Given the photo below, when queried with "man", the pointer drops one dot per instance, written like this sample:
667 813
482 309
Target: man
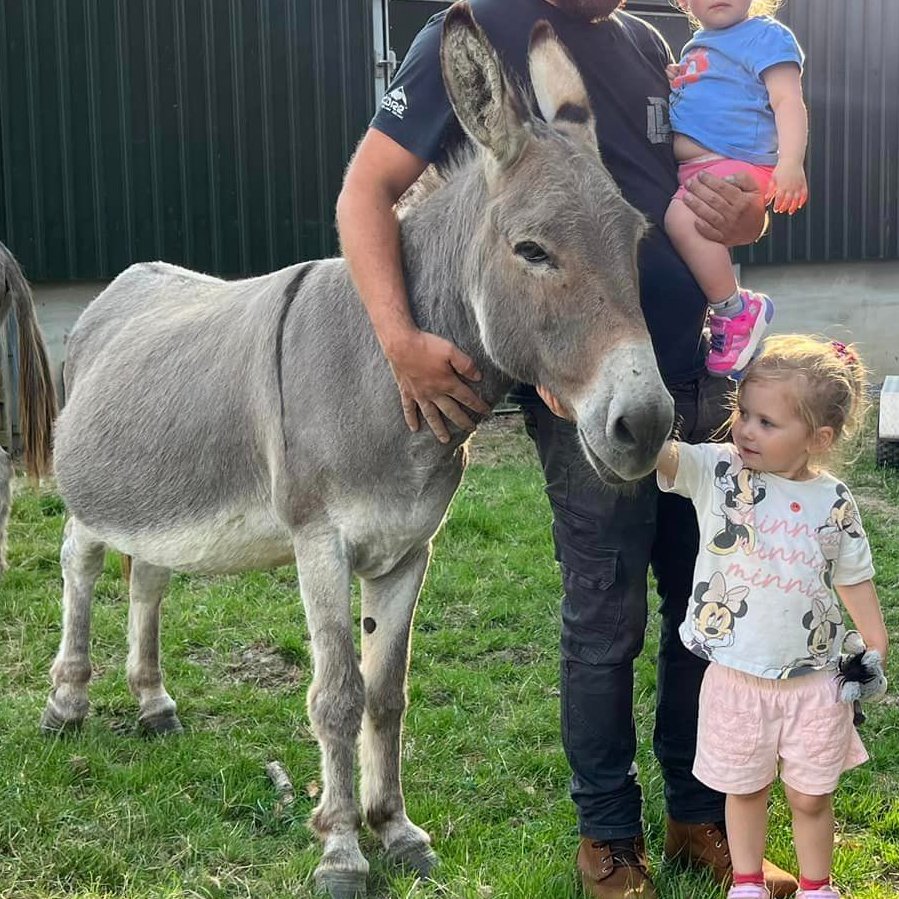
605 541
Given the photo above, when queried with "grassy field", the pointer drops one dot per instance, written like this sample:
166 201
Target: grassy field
106 813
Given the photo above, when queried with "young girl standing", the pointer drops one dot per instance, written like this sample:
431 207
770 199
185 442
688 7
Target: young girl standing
780 543
736 106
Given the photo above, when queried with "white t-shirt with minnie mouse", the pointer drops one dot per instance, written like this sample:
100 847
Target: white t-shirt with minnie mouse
771 551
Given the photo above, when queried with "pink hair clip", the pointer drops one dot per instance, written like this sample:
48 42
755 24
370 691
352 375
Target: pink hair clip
844 352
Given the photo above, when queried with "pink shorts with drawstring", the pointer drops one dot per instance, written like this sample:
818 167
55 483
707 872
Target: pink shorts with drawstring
721 167
751 727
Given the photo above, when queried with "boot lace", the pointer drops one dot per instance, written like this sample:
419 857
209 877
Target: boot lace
623 853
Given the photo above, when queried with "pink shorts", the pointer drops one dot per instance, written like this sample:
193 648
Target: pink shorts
749 726
721 167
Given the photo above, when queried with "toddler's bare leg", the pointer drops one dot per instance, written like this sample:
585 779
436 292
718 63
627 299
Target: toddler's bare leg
812 832
747 827
709 261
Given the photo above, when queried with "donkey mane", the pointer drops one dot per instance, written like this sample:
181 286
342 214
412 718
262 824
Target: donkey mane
437 175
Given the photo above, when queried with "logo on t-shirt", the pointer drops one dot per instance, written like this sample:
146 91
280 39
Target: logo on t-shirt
658 128
691 67
395 101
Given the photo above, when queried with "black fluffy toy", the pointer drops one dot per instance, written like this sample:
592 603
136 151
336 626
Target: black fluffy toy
860 673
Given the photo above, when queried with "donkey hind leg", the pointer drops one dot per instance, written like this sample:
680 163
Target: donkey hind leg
157 708
388 604
5 503
335 702
81 559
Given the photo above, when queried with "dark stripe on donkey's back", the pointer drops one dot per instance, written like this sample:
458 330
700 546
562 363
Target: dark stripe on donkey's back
290 293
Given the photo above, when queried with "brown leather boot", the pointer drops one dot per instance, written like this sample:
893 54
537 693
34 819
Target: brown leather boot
705 846
616 869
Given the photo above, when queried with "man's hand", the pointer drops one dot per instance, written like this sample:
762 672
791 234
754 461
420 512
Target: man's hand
427 370
788 188
729 211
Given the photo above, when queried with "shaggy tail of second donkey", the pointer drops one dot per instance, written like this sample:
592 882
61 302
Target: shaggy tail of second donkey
37 397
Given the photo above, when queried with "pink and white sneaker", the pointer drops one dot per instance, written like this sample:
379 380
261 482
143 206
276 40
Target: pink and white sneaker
827 892
748 891
736 340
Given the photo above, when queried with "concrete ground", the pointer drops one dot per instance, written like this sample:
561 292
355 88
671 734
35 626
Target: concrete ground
853 301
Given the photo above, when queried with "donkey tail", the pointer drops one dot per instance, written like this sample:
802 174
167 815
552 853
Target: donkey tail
37 396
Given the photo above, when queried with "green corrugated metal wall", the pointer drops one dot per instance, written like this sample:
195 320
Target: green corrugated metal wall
211 133
214 132
852 92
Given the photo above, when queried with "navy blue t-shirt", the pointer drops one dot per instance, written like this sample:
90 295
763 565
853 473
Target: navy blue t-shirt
622 61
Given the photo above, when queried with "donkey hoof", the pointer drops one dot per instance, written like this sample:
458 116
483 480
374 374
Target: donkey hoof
162 724
341 884
414 855
53 723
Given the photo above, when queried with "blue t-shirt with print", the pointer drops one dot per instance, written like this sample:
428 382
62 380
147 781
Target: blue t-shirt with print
719 98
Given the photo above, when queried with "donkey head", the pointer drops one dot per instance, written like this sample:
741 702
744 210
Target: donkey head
555 286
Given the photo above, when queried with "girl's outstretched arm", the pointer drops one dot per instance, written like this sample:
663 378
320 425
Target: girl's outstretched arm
863 606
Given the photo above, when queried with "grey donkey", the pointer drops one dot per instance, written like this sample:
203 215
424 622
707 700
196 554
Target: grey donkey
37 399
215 427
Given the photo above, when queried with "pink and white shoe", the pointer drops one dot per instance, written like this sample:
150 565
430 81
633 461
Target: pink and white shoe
748 891
827 892
736 340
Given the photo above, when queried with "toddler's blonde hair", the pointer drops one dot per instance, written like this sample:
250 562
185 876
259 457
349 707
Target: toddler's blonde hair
758 8
827 380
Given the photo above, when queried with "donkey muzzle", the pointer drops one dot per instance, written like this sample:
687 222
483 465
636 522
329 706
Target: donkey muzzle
627 415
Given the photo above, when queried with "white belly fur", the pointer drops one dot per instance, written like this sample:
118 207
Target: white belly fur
227 542
376 537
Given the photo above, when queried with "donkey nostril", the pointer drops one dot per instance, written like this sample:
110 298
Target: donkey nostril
621 429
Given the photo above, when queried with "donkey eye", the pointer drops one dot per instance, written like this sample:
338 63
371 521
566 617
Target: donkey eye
531 252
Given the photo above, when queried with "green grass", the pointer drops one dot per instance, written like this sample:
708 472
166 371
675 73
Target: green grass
105 813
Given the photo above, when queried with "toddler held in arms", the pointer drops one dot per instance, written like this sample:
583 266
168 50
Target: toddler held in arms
736 106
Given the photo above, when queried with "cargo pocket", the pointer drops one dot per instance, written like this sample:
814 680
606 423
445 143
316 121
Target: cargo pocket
592 609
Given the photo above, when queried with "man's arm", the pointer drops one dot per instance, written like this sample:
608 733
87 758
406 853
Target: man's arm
426 367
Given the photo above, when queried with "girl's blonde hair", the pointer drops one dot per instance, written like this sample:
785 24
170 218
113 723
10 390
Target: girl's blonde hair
758 8
827 379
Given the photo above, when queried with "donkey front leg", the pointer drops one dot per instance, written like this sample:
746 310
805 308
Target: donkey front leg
335 701
388 605
5 503
157 708
81 559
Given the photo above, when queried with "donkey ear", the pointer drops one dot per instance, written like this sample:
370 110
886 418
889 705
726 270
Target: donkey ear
558 86
489 109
